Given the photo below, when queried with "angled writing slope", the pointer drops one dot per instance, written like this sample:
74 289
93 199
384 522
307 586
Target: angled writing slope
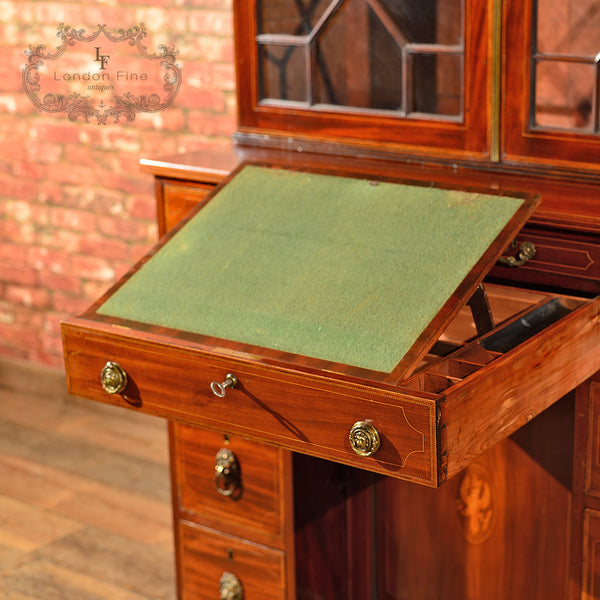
346 271
328 314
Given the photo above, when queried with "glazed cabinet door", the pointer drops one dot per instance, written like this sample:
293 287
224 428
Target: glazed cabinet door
395 75
550 112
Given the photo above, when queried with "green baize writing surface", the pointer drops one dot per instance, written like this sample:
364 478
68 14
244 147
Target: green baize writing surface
341 269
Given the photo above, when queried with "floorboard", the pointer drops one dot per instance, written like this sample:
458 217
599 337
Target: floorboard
84 500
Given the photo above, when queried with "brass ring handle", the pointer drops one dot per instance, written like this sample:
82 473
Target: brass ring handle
228 479
526 251
113 378
364 438
230 587
220 389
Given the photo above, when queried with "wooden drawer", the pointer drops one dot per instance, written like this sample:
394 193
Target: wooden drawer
299 411
365 371
206 555
254 509
177 198
431 426
570 262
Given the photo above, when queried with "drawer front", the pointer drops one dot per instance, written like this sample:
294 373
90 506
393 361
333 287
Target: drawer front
571 263
178 198
206 556
292 410
253 508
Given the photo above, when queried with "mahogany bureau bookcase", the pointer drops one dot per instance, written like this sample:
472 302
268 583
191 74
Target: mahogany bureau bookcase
372 324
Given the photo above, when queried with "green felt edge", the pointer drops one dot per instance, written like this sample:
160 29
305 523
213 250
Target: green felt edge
341 269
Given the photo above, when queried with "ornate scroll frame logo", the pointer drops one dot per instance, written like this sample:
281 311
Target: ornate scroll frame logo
79 107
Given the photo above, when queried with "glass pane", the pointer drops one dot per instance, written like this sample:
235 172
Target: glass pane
568 27
427 21
359 54
564 95
359 64
283 70
437 85
293 18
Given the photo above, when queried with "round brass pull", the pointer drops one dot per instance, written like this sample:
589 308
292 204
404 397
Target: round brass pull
227 473
113 378
230 587
364 438
220 389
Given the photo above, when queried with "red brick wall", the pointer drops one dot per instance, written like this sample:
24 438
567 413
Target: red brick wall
75 210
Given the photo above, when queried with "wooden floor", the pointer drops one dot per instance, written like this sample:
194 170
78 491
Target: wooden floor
84 500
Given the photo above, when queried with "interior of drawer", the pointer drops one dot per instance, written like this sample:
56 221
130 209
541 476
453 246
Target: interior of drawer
516 315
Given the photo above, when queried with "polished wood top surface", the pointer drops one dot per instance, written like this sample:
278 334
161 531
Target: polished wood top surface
569 200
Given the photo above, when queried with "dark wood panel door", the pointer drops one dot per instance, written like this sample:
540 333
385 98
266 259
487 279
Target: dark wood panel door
498 530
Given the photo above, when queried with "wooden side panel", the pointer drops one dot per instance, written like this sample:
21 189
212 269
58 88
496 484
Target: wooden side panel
498 530
516 387
592 479
591 555
586 572
206 555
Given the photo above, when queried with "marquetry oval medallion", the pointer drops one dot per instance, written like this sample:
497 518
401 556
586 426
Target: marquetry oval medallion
476 504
